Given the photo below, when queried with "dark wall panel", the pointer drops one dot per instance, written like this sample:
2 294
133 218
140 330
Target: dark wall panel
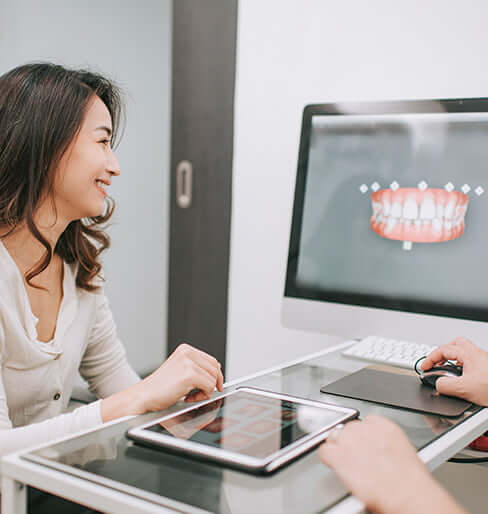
204 44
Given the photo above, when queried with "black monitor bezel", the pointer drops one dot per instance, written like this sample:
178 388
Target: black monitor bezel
292 290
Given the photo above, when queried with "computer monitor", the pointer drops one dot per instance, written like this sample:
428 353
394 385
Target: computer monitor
389 231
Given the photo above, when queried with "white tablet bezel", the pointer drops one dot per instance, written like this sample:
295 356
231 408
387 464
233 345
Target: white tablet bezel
267 464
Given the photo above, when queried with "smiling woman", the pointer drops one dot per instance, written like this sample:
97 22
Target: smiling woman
47 120
57 128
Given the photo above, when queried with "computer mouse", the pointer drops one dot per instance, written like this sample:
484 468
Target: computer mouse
430 376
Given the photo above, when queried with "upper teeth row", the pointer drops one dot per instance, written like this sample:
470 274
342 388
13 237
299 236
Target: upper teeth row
101 184
427 210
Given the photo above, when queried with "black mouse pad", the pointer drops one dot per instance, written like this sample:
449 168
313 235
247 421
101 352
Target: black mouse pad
397 390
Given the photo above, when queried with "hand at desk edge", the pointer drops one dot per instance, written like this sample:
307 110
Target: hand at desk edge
379 465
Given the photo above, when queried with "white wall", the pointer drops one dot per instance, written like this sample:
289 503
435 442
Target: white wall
130 42
294 52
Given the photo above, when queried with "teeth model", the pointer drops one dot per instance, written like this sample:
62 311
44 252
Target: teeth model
409 214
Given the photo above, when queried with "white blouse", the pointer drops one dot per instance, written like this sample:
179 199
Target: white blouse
37 378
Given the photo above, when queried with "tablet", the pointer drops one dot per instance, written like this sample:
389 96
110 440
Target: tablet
248 429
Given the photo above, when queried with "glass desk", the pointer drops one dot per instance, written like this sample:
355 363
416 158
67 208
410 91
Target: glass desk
105 471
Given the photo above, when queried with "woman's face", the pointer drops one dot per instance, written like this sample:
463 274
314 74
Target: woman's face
87 167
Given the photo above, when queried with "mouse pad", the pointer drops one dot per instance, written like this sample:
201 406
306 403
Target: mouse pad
397 390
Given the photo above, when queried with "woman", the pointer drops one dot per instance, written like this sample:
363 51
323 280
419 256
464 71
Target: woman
376 460
57 129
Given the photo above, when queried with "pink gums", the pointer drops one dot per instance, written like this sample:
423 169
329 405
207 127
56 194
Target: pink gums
409 214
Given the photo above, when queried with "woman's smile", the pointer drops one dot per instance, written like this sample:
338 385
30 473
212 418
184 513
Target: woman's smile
101 186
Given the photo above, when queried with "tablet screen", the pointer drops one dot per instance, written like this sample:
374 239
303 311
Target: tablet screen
247 423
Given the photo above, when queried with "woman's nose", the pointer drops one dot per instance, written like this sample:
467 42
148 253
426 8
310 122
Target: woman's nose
113 166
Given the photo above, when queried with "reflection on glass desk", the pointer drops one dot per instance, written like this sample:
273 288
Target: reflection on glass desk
107 457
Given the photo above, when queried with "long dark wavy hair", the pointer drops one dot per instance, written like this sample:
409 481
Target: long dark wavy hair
42 107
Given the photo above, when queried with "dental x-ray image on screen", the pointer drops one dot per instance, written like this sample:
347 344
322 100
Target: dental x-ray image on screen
391 208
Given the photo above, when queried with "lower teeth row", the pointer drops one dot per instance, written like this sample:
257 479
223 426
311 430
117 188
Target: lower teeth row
437 224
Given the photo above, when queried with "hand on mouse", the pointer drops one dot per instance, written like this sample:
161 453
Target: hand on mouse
472 385
378 464
185 370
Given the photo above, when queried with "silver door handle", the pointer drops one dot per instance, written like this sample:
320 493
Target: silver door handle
184 184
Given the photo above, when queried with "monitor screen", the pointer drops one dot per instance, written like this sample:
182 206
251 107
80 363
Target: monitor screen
390 207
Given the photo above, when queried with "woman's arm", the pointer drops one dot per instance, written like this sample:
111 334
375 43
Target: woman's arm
187 370
13 439
104 364
106 367
110 376
83 418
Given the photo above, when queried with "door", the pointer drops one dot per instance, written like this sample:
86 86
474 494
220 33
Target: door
203 76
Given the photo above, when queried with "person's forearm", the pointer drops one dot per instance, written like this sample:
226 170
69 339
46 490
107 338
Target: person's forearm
128 402
434 499
427 495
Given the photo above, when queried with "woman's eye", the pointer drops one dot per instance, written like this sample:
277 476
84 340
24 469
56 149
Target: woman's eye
106 142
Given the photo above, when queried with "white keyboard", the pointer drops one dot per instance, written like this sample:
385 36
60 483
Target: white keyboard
393 352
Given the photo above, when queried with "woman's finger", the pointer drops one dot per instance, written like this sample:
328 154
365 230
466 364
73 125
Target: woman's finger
208 365
192 351
206 361
212 366
208 357
204 380
220 381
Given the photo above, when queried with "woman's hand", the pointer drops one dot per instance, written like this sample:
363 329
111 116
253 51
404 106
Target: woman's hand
472 385
187 370
376 461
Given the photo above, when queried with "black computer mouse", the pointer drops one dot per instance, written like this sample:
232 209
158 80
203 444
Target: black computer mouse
430 376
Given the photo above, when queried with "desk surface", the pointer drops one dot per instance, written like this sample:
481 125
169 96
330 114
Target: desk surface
105 459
